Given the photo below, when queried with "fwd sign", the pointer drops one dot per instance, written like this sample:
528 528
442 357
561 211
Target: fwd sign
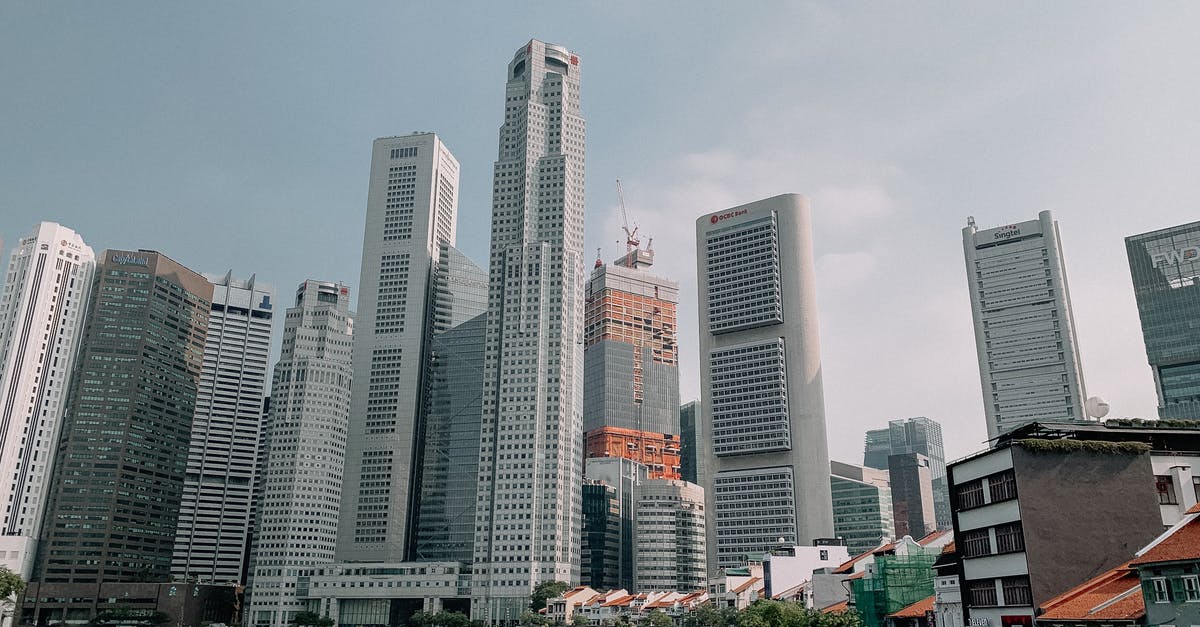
1175 257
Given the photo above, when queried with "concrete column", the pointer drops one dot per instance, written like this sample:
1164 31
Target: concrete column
1185 494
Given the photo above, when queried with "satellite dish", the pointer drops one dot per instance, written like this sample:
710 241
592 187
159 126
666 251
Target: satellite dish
1096 407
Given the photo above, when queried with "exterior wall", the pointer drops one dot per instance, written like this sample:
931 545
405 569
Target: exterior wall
601 537
306 439
862 506
669 530
1165 266
912 495
213 532
659 452
134 390
412 207
624 475
42 311
947 605
1029 364
785 569
186 604
531 456
1181 474
1176 609
924 436
688 454
385 593
767 473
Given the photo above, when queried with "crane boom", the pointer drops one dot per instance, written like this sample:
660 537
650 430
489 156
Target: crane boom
631 240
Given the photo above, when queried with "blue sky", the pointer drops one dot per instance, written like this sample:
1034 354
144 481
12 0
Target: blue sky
233 135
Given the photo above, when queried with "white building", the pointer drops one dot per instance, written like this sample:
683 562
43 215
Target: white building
214 516
768 463
530 465
788 571
412 206
669 534
46 292
1029 364
301 488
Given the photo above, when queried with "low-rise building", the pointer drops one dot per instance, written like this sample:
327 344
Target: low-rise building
788 571
178 604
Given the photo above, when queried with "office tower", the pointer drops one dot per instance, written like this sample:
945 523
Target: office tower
669 524
913 435
877 447
912 495
452 409
214 517
623 475
412 205
531 453
297 528
631 365
602 555
122 456
42 312
1165 266
1024 330
768 461
862 506
688 467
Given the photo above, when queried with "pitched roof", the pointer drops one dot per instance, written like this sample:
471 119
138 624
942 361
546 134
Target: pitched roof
840 606
848 566
1112 595
859 575
1181 542
932 537
746 585
916 610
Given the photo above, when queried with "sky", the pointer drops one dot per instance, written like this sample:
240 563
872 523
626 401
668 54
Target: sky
238 136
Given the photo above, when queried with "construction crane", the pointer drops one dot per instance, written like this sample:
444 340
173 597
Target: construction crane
631 240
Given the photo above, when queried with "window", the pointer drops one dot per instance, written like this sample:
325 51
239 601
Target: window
970 495
1166 490
1009 538
976 542
1003 486
1159 585
1016 591
1196 487
982 593
1191 589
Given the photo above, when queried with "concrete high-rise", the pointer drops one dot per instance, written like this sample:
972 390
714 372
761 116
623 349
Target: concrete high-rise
1029 364
213 532
1165 266
862 506
913 435
301 489
122 456
766 459
669 528
912 495
412 205
530 467
631 365
42 313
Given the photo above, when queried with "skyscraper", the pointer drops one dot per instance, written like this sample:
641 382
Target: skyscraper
631 365
913 435
302 483
862 506
122 455
688 454
1165 266
530 466
214 517
42 312
1024 330
912 495
412 205
669 523
767 459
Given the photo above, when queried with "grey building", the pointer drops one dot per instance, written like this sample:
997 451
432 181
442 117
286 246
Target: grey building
670 537
877 447
124 445
862 506
688 451
531 453
913 435
1029 366
912 495
765 461
623 475
448 455
1165 266
297 527
602 525
412 206
214 529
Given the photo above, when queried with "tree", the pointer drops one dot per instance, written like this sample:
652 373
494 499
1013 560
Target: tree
769 613
710 616
439 619
11 585
311 619
579 620
546 590
530 618
657 618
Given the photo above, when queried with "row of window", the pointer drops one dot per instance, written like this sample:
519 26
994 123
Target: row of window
1166 489
1001 486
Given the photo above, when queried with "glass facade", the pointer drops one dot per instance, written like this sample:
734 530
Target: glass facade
1165 266
862 512
688 453
601 537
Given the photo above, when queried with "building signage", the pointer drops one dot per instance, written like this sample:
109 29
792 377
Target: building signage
1007 232
129 259
1175 257
978 621
717 217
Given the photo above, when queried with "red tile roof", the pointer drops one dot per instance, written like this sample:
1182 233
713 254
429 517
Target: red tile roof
1183 543
859 575
1113 595
848 566
929 538
916 610
840 606
744 586
1194 510
949 548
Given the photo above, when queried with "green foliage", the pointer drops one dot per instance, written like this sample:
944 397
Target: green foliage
129 616
1162 423
10 583
546 590
579 620
529 618
709 616
311 619
769 613
440 619
1083 446
656 618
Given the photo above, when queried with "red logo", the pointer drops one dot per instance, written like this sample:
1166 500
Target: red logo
717 217
345 291
574 60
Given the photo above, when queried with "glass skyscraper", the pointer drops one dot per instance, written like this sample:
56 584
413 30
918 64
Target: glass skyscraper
1165 266
913 435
